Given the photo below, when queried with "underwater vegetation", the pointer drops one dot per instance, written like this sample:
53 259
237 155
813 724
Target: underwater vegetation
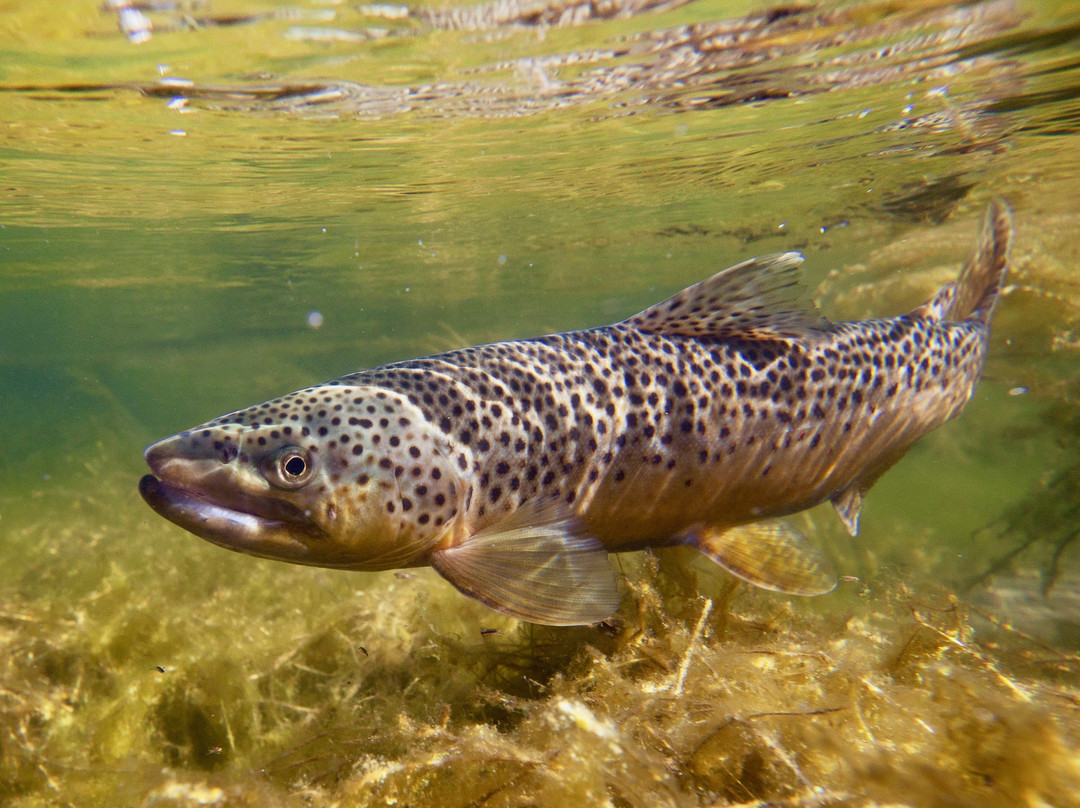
1035 580
287 687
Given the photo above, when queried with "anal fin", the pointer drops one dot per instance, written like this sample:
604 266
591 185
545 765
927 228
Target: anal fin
848 505
538 564
771 554
848 501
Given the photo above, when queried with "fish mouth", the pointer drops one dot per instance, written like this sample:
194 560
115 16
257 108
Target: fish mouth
252 525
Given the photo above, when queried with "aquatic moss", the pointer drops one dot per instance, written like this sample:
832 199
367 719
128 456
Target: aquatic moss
142 667
235 682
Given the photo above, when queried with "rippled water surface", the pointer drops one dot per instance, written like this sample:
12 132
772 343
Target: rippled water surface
178 214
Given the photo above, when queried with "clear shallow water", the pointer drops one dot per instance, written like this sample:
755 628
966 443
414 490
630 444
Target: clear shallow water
159 264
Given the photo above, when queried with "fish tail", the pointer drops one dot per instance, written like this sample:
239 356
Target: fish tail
974 294
983 275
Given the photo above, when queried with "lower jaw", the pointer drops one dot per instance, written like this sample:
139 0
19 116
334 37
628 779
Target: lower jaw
206 518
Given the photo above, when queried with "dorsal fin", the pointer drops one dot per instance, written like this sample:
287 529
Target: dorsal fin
757 299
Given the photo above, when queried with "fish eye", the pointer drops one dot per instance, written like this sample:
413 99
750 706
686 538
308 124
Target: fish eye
294 466
290 467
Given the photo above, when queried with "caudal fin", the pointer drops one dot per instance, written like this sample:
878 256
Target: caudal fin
975 293
980 281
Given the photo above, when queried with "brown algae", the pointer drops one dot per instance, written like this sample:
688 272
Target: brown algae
227 683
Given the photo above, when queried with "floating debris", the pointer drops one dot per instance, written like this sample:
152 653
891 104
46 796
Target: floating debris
308 34
386 11
135 25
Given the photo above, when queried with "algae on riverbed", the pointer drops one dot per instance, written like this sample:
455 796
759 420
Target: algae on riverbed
261 684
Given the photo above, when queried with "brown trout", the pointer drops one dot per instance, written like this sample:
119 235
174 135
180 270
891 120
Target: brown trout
514 468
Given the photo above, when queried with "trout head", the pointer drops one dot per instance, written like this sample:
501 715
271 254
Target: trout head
333 476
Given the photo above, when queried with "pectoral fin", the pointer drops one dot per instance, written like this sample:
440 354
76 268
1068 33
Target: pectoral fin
772 555
539 564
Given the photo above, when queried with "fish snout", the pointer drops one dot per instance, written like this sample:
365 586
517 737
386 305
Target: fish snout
174 459
157 455
196 465
205 449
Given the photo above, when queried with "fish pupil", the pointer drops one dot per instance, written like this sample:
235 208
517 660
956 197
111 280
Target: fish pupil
295 466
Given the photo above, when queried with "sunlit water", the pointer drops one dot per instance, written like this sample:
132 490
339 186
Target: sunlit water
167 251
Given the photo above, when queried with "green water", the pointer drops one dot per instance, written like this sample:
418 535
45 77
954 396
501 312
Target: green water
158 264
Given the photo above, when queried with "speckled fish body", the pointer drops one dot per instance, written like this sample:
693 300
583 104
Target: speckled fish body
514 468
